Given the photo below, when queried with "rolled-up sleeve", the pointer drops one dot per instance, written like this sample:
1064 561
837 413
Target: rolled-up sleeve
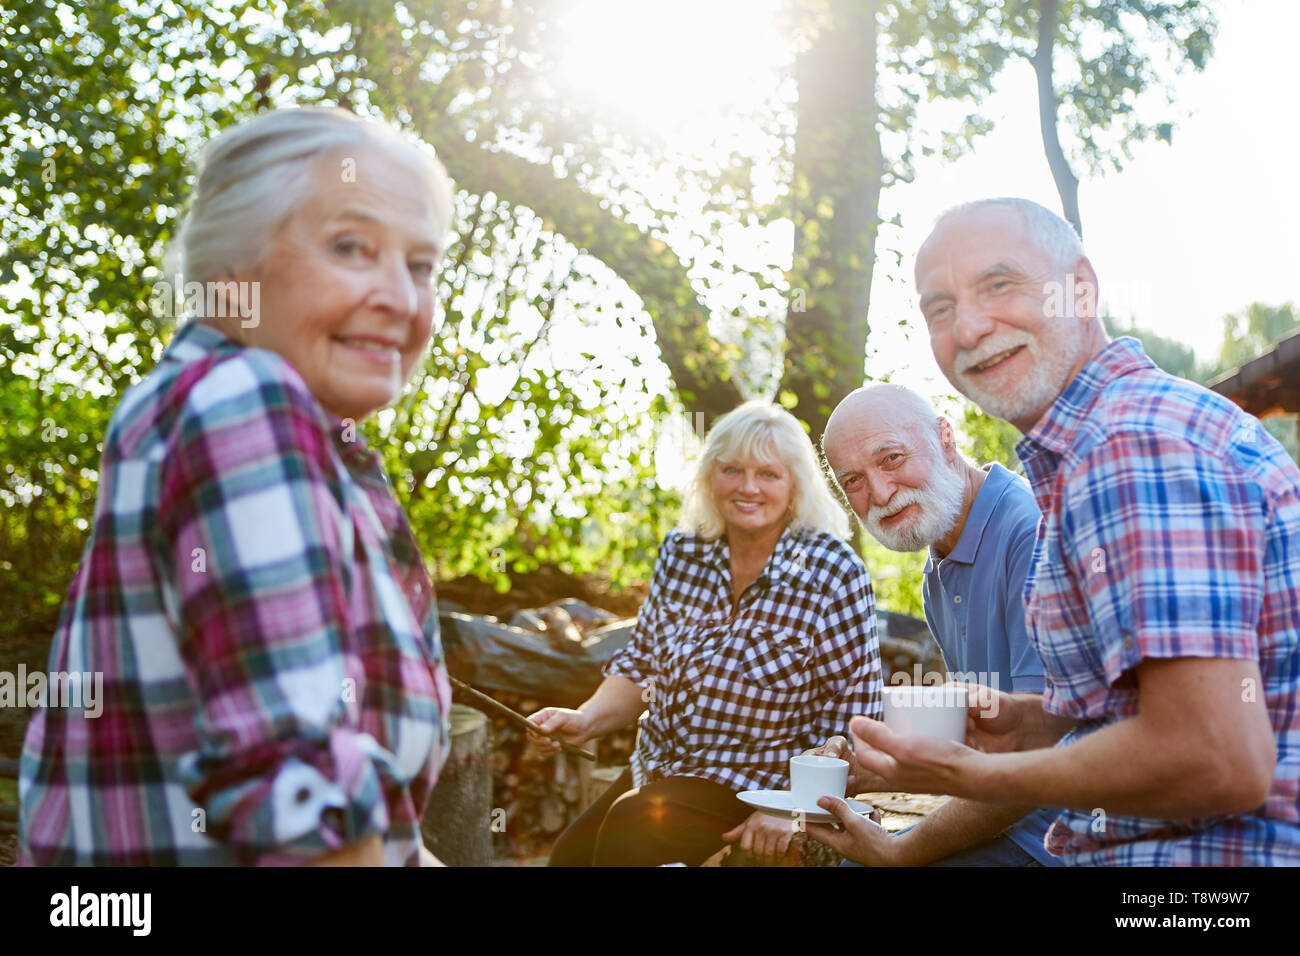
848 659
253 530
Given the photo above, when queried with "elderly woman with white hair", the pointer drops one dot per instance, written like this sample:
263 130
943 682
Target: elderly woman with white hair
273 683
756 643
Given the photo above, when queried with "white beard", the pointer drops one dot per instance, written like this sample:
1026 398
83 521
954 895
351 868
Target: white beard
940 503
1040 387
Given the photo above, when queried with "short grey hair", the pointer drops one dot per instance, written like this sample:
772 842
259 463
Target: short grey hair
763 431
252 176
1052 234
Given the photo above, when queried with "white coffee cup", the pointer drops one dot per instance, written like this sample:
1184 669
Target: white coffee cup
813 777
933 711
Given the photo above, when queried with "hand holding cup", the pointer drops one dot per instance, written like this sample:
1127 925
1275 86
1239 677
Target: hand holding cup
860 780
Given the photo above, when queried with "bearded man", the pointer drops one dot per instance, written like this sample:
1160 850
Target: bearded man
1164 594
896 461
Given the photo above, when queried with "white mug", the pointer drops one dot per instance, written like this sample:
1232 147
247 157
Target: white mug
812 777
934 711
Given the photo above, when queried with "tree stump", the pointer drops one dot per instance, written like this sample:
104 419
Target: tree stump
458 819
595 781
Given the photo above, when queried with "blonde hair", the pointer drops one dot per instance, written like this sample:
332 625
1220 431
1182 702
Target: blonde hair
762 431
252 176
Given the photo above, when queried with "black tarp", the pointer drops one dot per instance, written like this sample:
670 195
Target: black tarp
492 656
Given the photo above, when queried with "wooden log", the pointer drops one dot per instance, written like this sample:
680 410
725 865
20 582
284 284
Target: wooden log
458 819
598 780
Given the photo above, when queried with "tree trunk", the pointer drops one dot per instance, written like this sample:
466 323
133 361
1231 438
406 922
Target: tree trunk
1067 184
836 199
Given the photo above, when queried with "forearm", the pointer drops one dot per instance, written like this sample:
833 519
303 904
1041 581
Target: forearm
955 826
1128 767
1197 747
616 704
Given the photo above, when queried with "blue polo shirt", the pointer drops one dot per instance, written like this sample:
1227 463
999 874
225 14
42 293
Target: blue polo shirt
975 608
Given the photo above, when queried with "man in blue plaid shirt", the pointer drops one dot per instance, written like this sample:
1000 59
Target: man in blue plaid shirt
1164 594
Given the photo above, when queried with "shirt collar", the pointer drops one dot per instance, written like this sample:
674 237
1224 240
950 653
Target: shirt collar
195 340
1057 429
981 510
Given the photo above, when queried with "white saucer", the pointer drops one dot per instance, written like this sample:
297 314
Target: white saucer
779 803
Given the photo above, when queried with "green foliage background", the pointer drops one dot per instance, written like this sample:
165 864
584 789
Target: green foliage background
103 109
513 448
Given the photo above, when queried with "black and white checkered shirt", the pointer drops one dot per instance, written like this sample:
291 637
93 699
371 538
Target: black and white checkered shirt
732 697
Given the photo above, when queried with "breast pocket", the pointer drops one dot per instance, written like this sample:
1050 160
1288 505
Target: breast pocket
757 686
774 658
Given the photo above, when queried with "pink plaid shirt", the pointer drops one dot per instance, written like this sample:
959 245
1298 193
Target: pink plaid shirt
273 685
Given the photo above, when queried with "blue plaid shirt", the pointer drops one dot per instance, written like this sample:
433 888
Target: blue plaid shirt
1171 529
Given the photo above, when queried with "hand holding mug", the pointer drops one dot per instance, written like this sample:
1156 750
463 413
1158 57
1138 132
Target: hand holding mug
998 722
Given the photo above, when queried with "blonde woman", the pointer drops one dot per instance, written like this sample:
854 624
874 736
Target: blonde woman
757 642
274 690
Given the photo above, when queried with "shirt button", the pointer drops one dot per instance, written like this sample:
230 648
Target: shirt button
956 599
1128 642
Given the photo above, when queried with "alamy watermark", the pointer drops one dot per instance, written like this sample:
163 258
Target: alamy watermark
1063 299
916 677
983 694
82 689
129 910
210 300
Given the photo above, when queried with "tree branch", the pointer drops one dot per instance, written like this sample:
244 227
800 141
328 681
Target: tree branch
1067 184
648 266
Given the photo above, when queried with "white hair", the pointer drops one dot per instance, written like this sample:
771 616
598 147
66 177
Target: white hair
912 411
251 177
765 432
1050 233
